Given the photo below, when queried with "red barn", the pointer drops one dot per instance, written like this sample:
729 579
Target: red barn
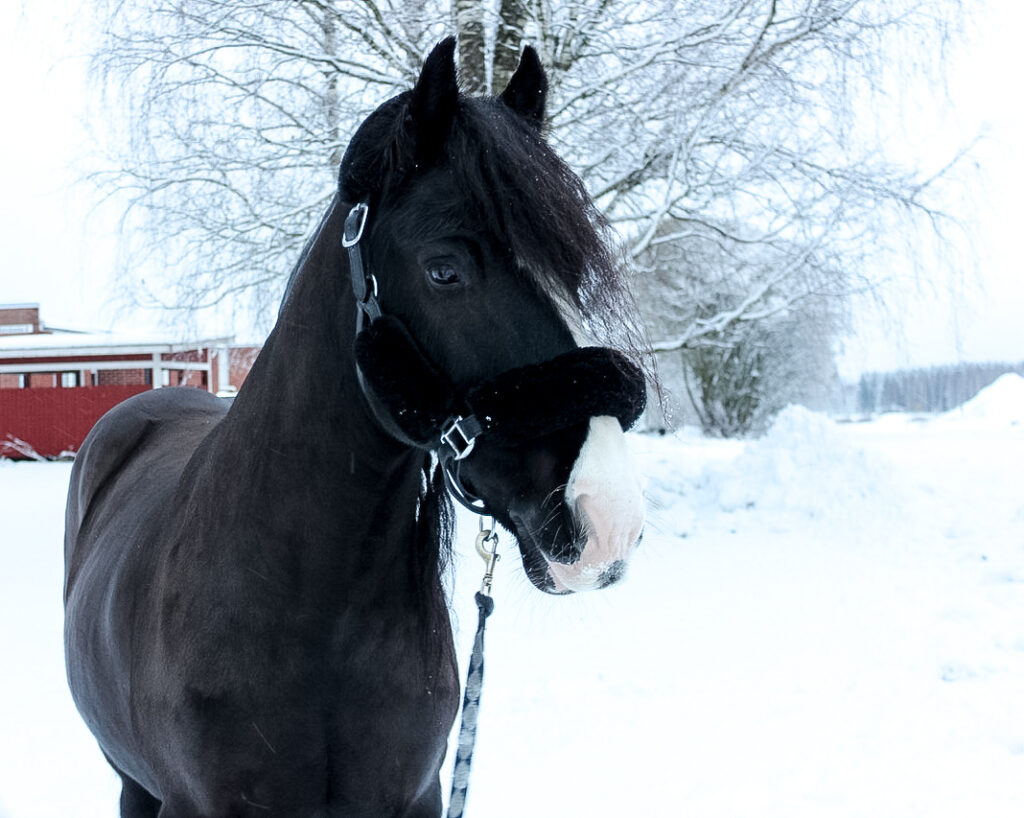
55 384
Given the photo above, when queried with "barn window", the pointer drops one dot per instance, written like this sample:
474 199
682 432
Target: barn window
68 379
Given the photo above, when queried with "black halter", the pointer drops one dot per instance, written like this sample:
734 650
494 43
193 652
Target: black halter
364 285
417 404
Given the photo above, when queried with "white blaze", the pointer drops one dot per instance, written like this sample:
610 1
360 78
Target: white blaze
604 491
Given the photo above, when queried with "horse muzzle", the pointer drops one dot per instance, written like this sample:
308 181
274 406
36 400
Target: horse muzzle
582 537
606 498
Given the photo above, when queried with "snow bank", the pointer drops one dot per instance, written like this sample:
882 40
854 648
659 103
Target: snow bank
1002 402
804 464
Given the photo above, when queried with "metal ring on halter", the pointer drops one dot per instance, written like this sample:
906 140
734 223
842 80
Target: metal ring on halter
450 472
486 535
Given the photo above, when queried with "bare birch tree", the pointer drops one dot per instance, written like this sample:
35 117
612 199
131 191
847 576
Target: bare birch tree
703 128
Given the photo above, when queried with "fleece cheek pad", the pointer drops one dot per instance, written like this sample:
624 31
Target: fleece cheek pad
417 397
514 407
532 401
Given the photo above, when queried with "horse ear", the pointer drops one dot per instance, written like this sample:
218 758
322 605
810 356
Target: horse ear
527 91
434 99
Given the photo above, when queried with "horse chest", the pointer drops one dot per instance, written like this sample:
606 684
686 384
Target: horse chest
399 669
355 720
394 711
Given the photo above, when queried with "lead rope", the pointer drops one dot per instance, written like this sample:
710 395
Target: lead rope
487 548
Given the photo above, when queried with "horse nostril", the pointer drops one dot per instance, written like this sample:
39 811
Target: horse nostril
612 574
563 539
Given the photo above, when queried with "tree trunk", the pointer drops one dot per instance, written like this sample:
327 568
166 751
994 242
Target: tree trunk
331 112
513 16
469 23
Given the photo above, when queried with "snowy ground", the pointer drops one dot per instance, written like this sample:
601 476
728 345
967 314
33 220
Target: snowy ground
828 621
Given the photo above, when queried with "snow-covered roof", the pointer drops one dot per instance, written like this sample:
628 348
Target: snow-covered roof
54 344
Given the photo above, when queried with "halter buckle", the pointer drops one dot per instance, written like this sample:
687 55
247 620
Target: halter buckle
355 223
458 435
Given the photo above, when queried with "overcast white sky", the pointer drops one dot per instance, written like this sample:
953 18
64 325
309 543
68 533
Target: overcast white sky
53 254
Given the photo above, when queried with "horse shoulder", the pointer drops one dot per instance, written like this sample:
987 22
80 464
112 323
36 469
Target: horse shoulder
131 432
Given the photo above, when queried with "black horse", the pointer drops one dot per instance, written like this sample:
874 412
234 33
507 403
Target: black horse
255 620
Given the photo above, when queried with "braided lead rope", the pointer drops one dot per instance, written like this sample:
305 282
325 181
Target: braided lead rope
470 711
474 677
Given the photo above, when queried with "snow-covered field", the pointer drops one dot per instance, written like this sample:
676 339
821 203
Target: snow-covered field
828 621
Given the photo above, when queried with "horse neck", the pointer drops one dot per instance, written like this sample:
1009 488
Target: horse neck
301 426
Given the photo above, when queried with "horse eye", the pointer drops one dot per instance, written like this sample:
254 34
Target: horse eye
442 273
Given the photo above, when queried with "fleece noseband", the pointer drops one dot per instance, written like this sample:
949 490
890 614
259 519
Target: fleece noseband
419 405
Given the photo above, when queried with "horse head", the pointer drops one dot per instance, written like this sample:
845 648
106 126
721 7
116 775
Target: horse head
477 260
